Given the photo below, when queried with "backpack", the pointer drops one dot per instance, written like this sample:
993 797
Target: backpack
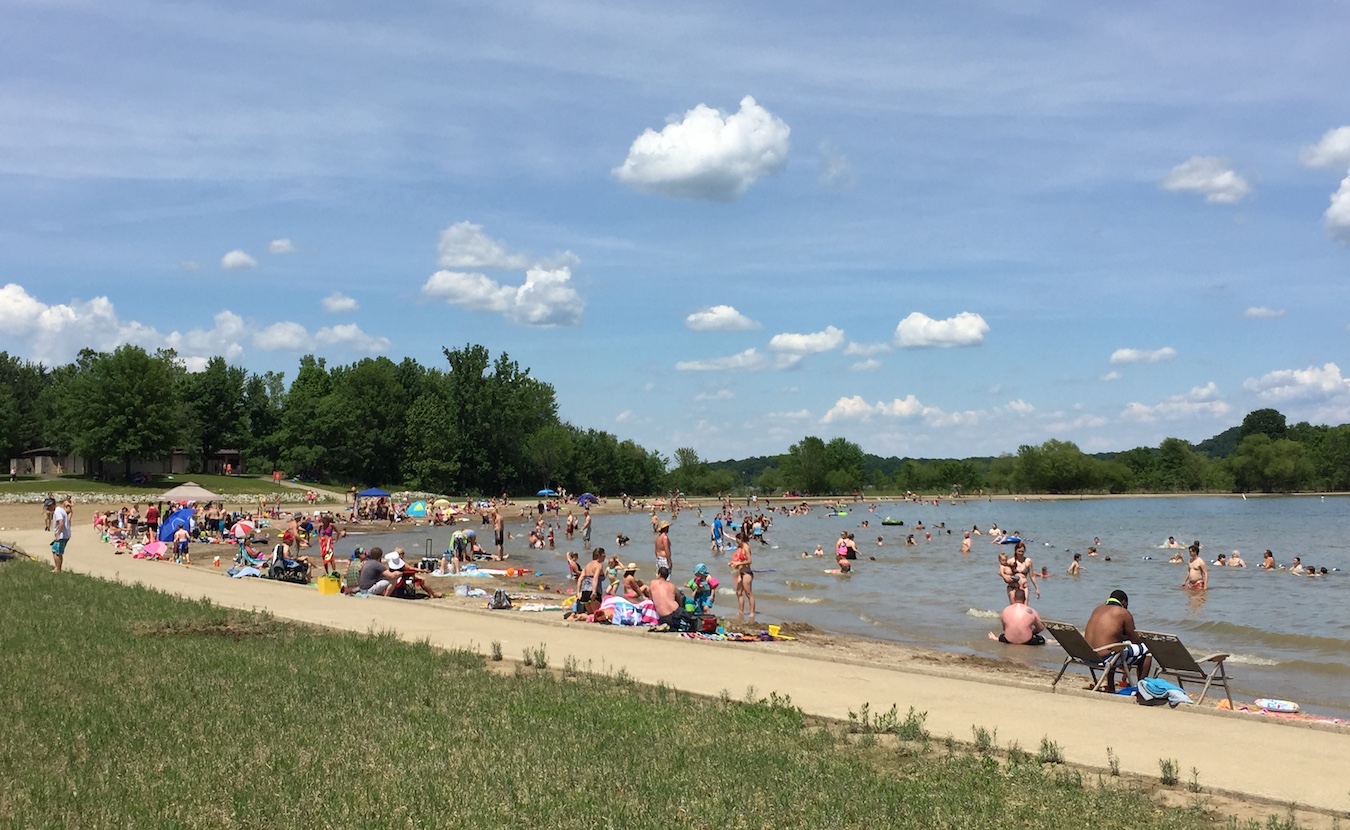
500 599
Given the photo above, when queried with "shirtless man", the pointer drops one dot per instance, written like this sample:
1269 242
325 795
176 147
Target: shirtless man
1112 622
668 608
1021 624
662 546
499 533
1076 566
586 529
591 582
965 543
1197 572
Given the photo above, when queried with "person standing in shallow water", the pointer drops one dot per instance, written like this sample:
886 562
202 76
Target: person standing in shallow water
662 546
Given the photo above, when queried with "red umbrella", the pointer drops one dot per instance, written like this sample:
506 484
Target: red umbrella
243 529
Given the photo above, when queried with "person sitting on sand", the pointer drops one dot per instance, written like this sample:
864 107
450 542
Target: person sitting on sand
669 609
633 589
1021 624
375 579
1111 623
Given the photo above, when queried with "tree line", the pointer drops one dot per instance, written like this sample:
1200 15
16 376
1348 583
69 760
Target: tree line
484 425
1261 455
475 425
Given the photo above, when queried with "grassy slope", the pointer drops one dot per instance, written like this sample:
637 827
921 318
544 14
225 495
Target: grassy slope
128 708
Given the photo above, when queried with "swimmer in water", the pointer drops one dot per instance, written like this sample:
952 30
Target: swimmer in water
1176 559
1092 551
1235 561
1076 566
965 543
820 550
1268 561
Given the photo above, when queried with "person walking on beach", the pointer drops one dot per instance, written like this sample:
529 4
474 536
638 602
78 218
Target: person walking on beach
48 509
1197 572
662 546
1110 623
60 528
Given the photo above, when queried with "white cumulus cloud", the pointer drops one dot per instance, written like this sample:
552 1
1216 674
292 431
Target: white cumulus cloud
281 246
708 154
338 302
719 318
1262 313
1333 150
1210 176
1200 401
1111 375
545 299
465 245
236 259
1124 356
918 330
289 336
871 364
1291 384
53 333
1337 217
814 343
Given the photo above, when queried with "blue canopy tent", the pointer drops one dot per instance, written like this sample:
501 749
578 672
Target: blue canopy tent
587 498
372 493
179 518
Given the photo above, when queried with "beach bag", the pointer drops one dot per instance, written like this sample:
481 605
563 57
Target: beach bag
499 601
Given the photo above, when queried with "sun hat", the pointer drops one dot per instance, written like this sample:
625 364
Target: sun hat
631 566
663 526
700 569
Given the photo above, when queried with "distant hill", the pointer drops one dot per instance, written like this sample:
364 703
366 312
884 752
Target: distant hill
1222 445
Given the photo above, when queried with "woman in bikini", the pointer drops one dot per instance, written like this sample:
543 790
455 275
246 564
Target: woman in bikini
743 575
1023 569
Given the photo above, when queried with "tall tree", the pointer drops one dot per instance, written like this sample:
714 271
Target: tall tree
806 467
215 411
1268 422
122 405
306 433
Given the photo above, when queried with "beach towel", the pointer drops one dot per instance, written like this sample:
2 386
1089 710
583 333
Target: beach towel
623 612
1155 690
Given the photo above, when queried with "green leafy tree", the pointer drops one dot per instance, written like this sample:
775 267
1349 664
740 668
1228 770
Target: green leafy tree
548 450
366 408
430 459
1268 422
1270 466
806 467
846 463
689 472
1180 467
264 402
22 416
307 432
121 405
215 412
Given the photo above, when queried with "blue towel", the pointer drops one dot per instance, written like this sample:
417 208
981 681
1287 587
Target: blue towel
1151 688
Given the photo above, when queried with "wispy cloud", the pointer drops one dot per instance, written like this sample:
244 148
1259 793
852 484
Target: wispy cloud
1209 176
719 318
1126 356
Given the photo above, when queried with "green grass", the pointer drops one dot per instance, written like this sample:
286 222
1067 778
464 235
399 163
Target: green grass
128 708
224 485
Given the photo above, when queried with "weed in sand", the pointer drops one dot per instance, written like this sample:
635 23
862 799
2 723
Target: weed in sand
495 651
1167 771
1049 752
986 740
1112 762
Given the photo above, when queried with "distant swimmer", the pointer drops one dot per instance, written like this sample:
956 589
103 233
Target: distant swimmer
1297 566
1268 561
1235 561
1197 573
1076 566
965 543
1172 542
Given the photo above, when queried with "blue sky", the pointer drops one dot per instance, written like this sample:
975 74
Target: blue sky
940 231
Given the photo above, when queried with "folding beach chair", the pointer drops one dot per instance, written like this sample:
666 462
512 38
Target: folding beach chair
1171 657
1078 651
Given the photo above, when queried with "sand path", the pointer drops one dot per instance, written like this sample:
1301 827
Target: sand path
1280 762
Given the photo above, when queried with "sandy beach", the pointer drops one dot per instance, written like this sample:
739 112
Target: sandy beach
827 676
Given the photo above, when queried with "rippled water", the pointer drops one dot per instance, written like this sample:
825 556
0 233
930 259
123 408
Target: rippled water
1289 636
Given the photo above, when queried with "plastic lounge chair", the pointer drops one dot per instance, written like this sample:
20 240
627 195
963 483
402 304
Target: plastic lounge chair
1171 657
1078 651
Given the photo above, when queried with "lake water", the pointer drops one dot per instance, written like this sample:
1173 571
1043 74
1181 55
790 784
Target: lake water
1289 636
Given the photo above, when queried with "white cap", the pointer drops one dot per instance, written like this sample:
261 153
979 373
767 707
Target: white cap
394 561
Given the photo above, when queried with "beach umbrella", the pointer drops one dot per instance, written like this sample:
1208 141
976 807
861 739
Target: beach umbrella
441 502
547 492
181 518
243 529
418 509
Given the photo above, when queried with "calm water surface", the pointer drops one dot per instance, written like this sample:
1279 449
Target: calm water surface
1289 636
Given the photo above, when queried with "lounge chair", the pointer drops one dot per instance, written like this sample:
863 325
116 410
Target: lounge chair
1078 651
1173 658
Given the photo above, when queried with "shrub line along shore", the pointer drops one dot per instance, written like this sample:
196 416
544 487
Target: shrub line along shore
1265 760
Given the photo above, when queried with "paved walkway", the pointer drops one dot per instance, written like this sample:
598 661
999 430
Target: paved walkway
1278 761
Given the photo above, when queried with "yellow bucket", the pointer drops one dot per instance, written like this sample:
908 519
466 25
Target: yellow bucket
330 585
